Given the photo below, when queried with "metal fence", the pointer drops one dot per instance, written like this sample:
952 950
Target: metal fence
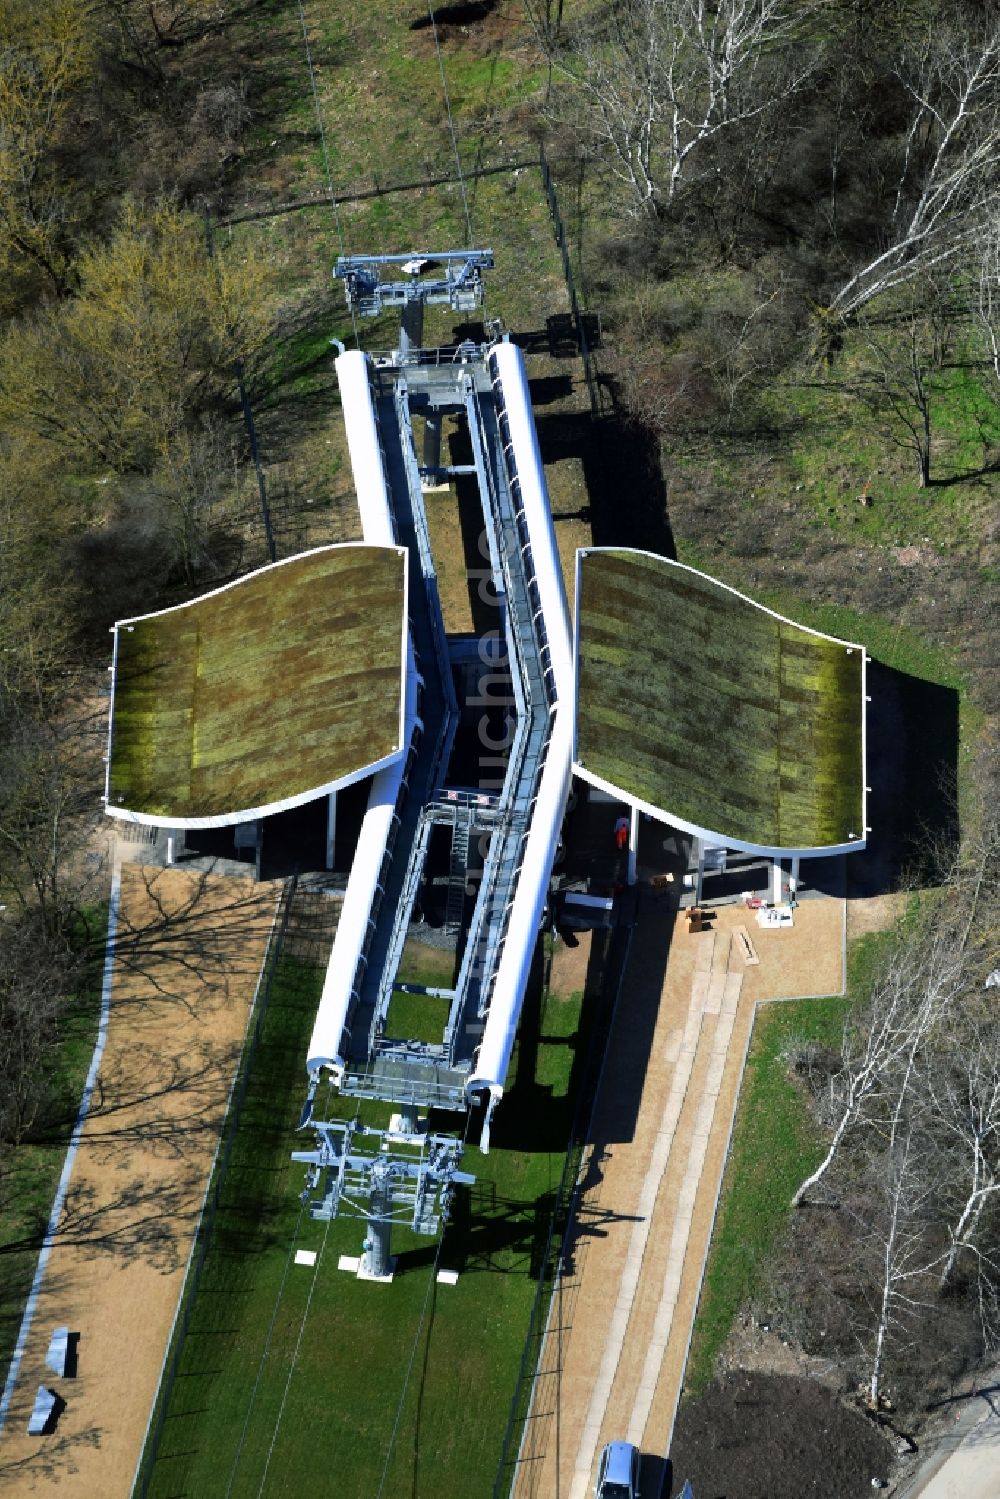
203 1237
554 1256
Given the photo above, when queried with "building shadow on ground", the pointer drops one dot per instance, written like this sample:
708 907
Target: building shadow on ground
912 772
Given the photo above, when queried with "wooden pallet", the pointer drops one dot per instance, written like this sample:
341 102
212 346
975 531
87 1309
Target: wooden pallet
744 946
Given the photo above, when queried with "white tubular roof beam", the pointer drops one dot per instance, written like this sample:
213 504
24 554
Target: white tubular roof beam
533 881
326 1048
365 448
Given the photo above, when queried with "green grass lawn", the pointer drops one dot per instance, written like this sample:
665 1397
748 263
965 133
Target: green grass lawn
776 1143
338 1389
421 1017
838 448
31 1170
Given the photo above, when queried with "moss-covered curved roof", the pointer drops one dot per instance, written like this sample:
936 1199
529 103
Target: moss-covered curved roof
713 710
286 683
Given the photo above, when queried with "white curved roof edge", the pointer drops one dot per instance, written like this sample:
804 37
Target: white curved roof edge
852 645
659 813
269 567
493 1060
712 836
326 1042
494 1052
251 814
285 803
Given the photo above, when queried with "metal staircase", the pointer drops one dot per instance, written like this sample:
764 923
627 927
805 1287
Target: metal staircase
458 872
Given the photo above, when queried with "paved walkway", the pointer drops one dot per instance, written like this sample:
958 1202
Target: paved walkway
186 962
613 1360
964 1462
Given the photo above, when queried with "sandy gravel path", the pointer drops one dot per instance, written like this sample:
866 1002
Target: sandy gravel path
186 964
613 1360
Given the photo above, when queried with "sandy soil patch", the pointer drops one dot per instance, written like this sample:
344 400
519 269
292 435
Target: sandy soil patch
187 959
568 974
874 913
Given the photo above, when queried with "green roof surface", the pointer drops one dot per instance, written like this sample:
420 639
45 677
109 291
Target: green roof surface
714 710
284 683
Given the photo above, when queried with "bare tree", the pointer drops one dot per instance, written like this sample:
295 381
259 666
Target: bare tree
47 53
906 1255
963 1085
751 346
897 387
883 1044
149 29
38 974
947 180
986 300
49 772
964 1091
652 82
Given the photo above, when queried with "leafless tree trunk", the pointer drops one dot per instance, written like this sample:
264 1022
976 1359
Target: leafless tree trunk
651 82
883 1044
905 1257
967 1108
946 186
963 1084
986 302
898 388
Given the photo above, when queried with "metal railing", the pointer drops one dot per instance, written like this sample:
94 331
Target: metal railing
531 680
557 1241
449 722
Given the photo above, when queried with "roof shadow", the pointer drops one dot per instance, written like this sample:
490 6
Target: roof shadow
623 475
913 736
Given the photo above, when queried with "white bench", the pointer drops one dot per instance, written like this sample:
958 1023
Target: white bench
45 1404
58 1353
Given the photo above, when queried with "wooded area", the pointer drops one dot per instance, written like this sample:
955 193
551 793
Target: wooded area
121 475
786 215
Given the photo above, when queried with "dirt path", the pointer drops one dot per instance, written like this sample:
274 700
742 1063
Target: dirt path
186 964
622 1316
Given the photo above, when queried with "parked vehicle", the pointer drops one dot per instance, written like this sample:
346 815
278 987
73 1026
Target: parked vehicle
618 1472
